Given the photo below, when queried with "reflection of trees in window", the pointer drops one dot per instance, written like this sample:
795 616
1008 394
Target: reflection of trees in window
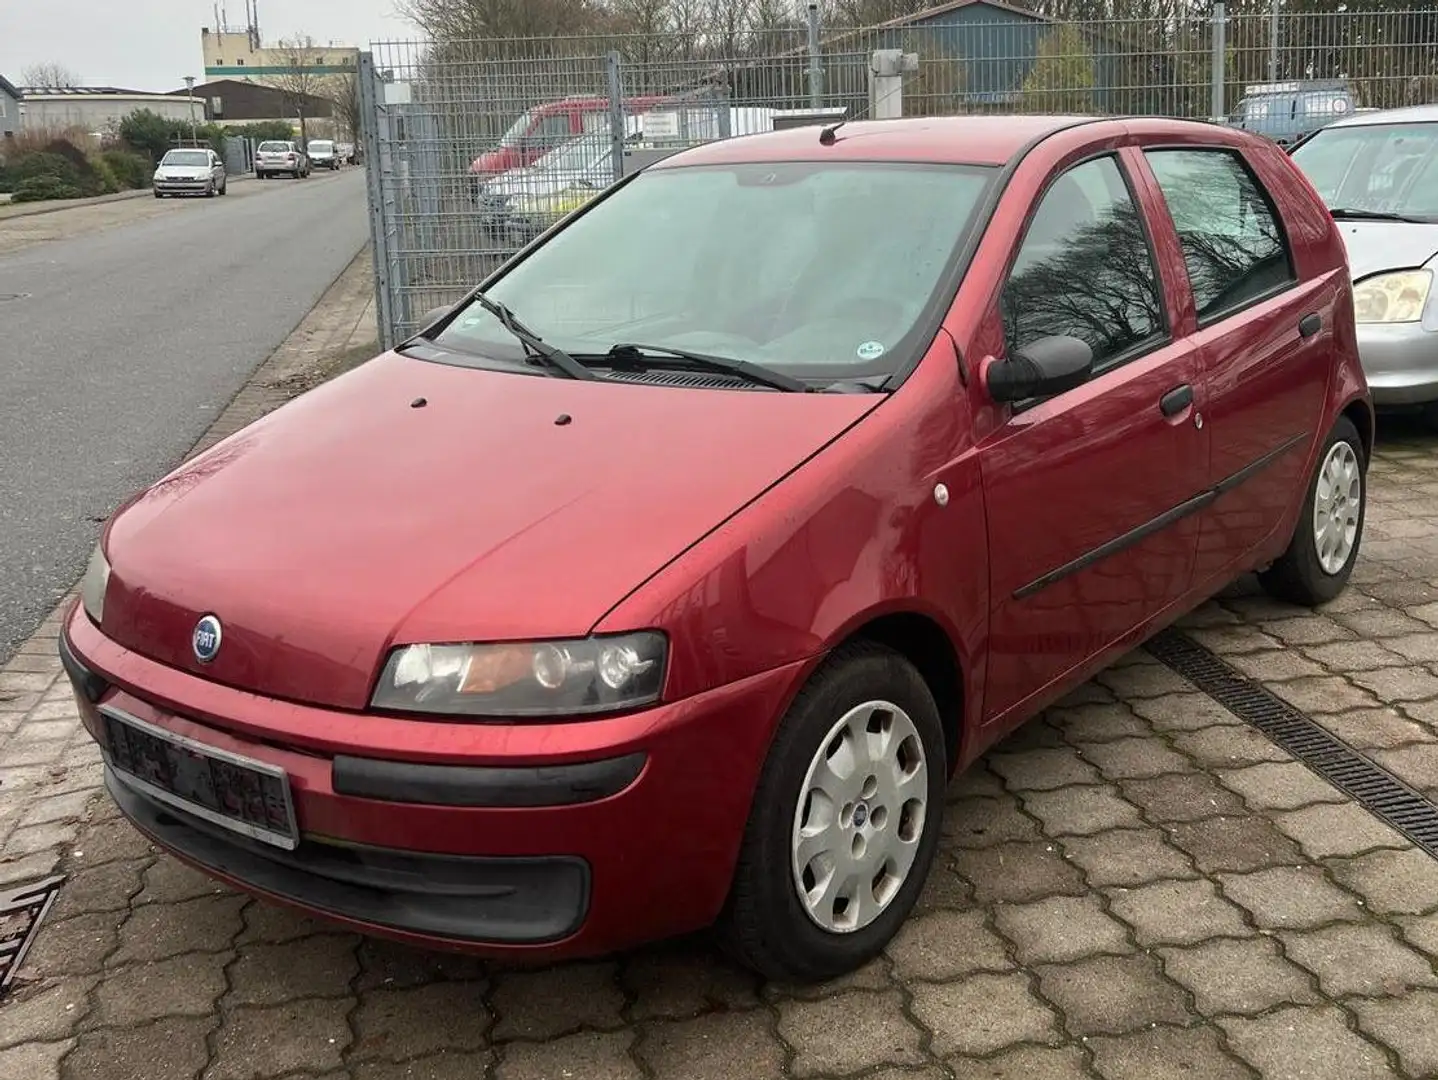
1099 286
1232 244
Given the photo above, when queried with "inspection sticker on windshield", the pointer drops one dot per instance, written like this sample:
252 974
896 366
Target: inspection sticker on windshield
870 350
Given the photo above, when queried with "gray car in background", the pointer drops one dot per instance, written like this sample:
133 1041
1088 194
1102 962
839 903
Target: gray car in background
1378 173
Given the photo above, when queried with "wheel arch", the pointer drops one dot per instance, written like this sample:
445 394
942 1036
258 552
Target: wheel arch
1360 413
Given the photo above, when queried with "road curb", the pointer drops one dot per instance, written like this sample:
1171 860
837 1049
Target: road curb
77 204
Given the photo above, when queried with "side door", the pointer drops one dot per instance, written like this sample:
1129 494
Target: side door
1088 493
1263 339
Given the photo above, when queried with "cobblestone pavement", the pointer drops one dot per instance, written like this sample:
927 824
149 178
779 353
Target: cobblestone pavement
1135 885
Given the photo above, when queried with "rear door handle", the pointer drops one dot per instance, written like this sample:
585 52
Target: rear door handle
1176 400
1310 324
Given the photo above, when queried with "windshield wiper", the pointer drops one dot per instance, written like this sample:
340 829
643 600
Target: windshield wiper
631 353
534 345
1352 213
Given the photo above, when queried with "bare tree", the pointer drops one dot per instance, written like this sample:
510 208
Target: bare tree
299 80
343 95
456 20
49 76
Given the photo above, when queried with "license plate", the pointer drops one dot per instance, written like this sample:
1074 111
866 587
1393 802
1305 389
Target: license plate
246 796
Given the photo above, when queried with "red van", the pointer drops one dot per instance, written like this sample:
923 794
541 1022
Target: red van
543 127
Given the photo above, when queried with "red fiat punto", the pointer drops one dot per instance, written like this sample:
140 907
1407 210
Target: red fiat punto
666 579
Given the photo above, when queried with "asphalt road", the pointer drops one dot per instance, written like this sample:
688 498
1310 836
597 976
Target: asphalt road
124 346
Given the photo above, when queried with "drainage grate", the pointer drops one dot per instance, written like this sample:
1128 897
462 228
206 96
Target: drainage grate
20 913
1376 789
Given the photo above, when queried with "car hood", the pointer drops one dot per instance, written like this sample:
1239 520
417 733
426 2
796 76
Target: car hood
1374 246
410 501
184 172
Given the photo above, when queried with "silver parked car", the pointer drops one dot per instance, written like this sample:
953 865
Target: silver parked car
323 154
276 156
1378 173
190 172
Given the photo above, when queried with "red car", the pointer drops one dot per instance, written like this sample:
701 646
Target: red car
668 578
543 127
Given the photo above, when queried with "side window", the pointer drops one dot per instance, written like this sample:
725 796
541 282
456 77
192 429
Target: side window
1084 269
1233 245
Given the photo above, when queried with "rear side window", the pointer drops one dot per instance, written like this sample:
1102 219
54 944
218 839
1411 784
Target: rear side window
1233 244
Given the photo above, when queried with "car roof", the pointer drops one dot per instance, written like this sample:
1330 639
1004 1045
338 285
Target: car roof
1409 114
950 140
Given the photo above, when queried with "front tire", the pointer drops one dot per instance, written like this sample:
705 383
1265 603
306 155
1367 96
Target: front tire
1320 557
844 823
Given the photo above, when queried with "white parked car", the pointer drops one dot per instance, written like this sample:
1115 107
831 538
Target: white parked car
324 154
190 172
276 156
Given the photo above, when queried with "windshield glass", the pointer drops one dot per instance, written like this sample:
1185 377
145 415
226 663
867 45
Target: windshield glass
1380 168
817 269
322 147
274 147
186 157
577 155
517 131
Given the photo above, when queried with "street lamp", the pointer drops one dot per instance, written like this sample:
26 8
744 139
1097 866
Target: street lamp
190 89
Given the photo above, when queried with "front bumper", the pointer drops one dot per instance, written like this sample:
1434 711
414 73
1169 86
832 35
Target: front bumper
540 841
182 187
1400 361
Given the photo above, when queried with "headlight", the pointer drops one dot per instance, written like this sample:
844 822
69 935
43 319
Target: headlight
92 589
1392 298
542 678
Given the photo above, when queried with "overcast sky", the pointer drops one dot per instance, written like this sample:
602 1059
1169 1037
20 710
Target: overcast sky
154 44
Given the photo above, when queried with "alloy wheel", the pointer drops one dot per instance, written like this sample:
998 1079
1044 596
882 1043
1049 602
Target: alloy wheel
1337 502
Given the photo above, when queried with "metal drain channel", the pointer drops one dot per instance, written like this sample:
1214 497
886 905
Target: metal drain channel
1373 787
20 913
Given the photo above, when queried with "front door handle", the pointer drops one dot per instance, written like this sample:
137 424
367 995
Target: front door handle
1310 324
1176 400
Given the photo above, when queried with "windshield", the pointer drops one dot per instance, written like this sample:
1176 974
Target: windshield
186 157
1378 168
274 147
322 147
577 155
820 270
517 131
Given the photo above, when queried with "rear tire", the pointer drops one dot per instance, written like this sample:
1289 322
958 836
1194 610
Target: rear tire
1320 557
844 823
159 195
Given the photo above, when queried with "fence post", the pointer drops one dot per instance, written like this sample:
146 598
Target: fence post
1273 41
1216 107
616 113
378 230
816 61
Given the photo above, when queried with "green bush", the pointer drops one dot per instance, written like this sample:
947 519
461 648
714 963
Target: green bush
129 169
44 188
267 129
44 164
151 134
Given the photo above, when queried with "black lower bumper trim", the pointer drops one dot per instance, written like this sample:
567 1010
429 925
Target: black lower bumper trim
84 680
477 785
501 901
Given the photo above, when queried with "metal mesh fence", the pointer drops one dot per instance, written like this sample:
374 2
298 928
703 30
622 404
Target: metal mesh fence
475 147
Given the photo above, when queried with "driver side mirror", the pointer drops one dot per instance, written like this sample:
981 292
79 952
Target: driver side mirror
1041 368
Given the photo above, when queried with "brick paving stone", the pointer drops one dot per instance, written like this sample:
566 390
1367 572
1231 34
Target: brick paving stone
983 1013
1338 829
1023 1063
443 1066
943 889
556 1001
983 822
1060 929
1305 1044
1234 843
1113 995
49 1012
1415 765
1381 622
315 1038
1392 882
1290 897
34 1061
1420 931
1135 759
1018 873
675 981
1177 913
1276 665
1372 729
1419 648
113 840
24 868
422 1020
1399 684
169 881
1100 722
318 966
1407 1025
1036 733
188 985
1228 746
1163 1052
1043 769
872 976
946 945
158 931
1188 797
1188 711
1238 976
848 1033
1127 857
389 964
1325 694
1143 680
1279 786
170 1048
1364 958
976 782
721 1046
275 925
1349 656
75 946
1234 638
56 807
589 1054
1293 627
1082 810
